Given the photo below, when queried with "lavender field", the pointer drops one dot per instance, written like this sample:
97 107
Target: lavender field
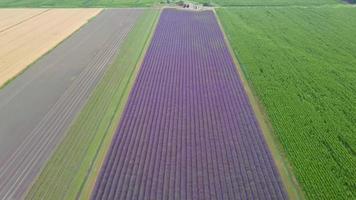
188 131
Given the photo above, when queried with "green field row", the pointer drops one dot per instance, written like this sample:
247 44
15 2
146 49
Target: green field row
301 64
268 2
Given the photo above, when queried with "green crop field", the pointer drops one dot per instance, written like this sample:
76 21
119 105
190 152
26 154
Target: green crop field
66 173
301 63
77 3
268 2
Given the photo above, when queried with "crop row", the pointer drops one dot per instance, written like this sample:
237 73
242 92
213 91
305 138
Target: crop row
65 172
188 130
301 64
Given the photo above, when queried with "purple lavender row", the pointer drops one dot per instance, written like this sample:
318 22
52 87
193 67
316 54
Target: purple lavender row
188 130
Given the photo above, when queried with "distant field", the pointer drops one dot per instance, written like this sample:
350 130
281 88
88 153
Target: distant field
301 63
25 35
351 1
77 3
268 2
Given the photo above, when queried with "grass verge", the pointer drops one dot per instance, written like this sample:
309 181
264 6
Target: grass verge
77 160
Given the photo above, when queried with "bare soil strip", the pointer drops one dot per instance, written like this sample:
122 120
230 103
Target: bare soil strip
24 43
39 105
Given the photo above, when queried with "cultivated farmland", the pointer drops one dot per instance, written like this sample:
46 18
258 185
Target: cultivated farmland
77 3
301 64
188 130
236 99
269 2
78 158
39 105
31 34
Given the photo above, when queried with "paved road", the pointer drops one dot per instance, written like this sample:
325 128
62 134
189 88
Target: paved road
39 105
188 130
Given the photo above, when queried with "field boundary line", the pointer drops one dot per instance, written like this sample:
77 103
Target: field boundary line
24 20
287 176
94 172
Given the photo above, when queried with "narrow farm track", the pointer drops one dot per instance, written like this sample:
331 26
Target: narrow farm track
17 173
188 130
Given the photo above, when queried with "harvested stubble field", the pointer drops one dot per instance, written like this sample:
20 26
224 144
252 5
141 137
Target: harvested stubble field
301 64
188 130
33 33
37 107
12 17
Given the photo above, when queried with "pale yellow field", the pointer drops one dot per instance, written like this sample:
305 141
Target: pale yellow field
27 34
11 17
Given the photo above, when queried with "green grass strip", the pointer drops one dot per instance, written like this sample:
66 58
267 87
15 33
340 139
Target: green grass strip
67 171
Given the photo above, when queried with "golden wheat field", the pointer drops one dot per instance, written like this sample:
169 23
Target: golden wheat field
26 34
